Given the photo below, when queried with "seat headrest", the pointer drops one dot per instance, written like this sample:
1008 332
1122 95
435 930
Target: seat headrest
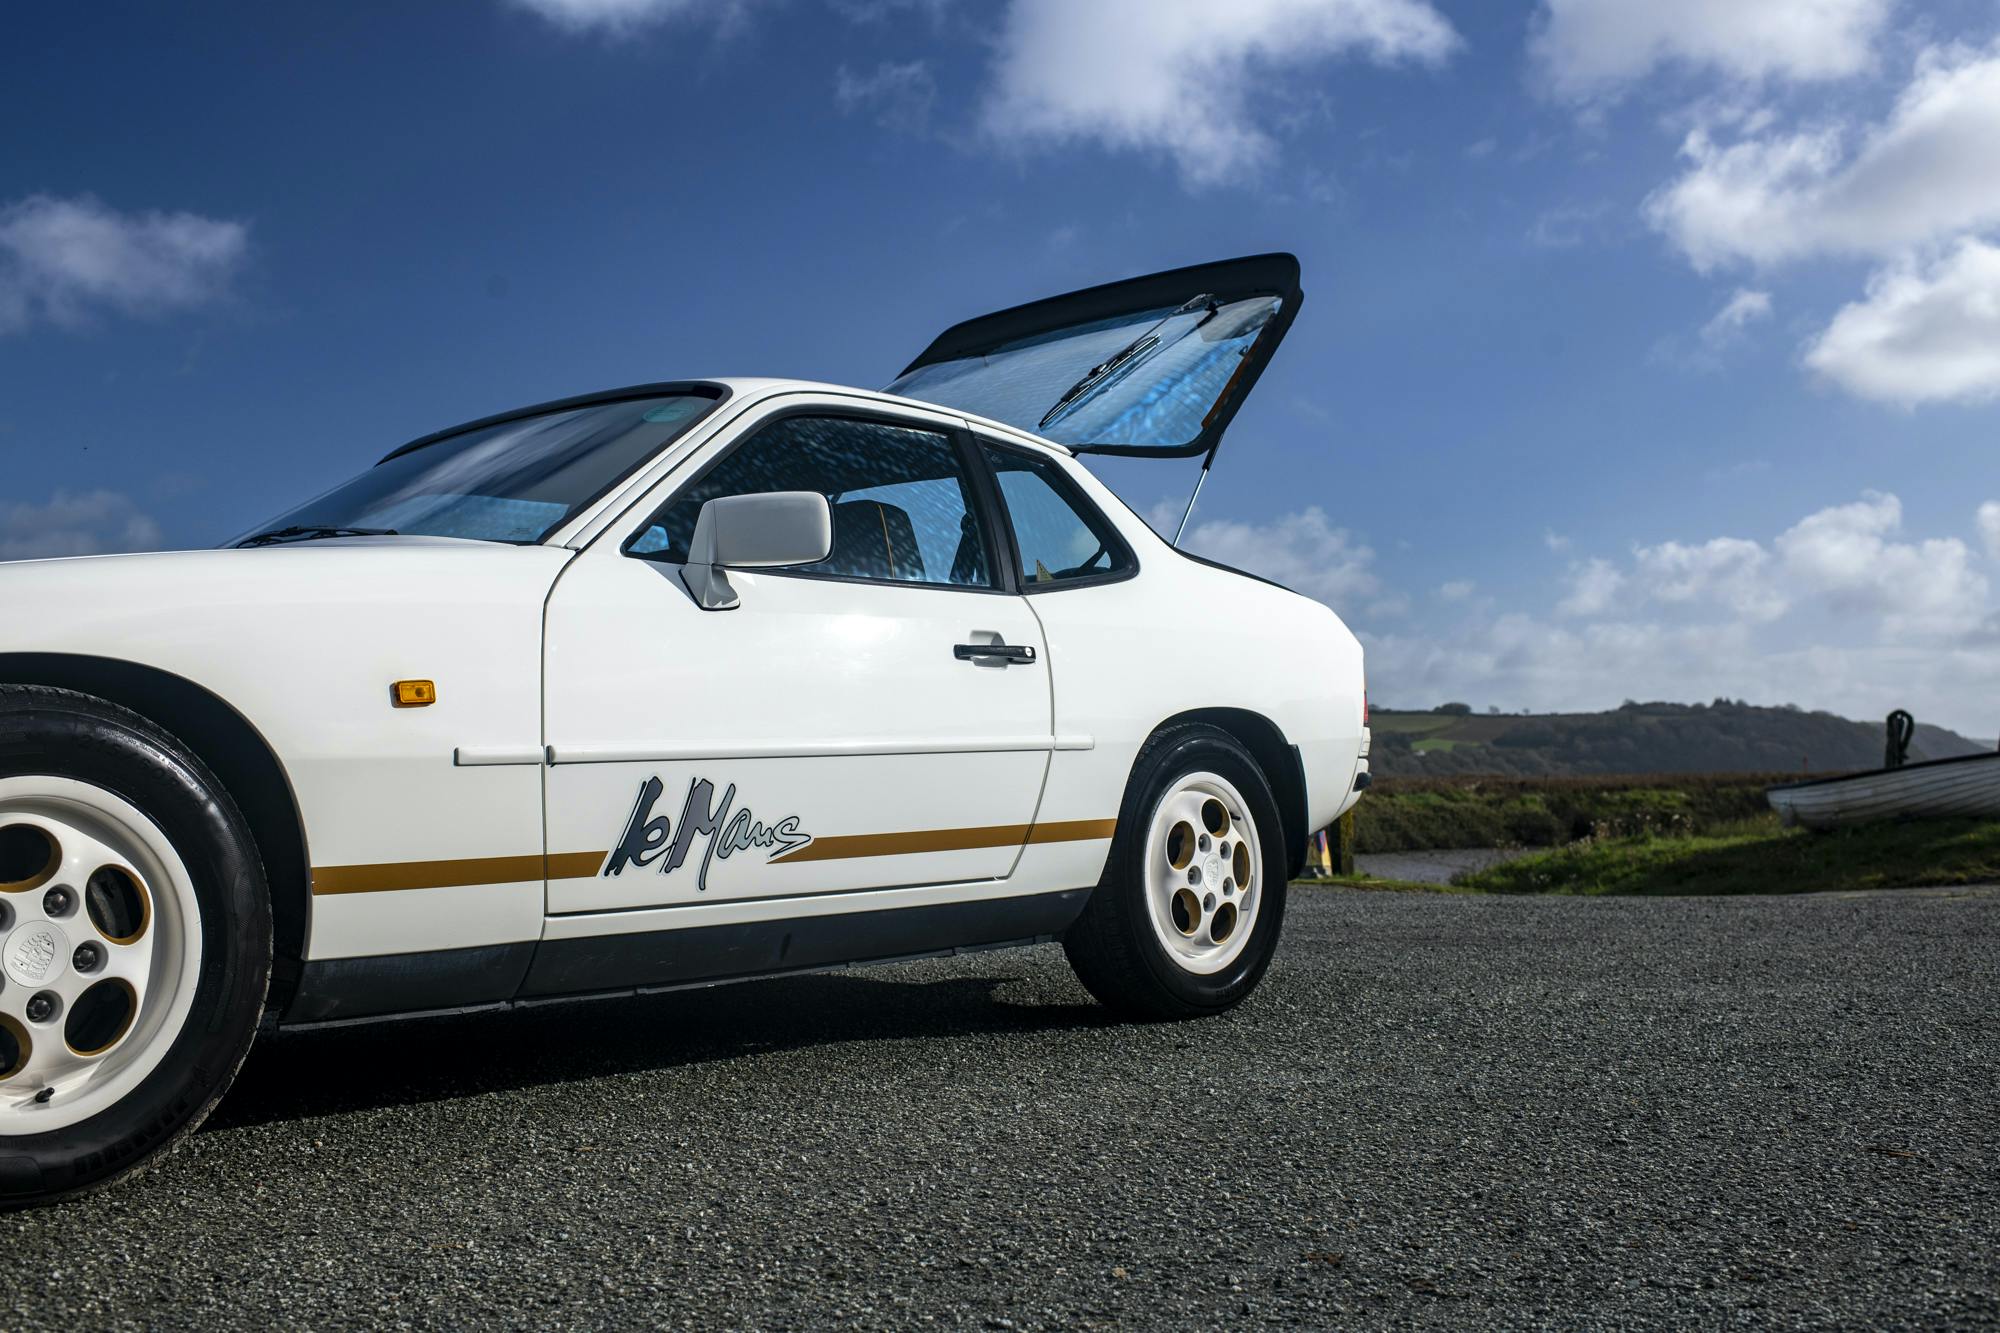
872 540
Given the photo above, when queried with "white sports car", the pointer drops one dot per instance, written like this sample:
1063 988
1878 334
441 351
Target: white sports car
661 687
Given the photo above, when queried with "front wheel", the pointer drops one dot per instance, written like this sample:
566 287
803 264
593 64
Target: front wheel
135 942
1187 915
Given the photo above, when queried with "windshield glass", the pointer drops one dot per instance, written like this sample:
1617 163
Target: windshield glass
514 482
1150 377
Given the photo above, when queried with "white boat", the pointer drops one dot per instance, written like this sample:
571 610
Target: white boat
1967 787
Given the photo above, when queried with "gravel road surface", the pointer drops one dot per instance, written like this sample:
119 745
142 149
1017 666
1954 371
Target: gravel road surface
1439 1110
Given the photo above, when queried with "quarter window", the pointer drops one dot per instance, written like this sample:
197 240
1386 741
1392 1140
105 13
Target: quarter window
1060 536
903 509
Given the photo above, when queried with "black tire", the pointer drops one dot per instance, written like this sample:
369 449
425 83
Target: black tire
49 732
1112 945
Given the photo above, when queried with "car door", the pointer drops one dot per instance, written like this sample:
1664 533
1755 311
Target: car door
843 727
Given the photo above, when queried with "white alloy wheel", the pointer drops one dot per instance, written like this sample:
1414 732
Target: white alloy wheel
1204 872
100 951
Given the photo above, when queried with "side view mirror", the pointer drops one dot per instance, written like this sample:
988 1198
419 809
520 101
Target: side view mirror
766 531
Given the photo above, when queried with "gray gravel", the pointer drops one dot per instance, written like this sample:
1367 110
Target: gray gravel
1439 1110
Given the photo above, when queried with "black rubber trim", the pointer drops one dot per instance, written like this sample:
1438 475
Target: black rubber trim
756 948
336 988
686 388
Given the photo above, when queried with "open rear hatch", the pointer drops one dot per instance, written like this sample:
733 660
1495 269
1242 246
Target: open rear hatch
1152 367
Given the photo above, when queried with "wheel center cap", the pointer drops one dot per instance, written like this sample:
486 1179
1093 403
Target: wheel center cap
34 953
1211 870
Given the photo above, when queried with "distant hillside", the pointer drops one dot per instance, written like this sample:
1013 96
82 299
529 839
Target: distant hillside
1722 737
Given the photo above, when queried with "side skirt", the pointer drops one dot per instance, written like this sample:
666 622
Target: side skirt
337 990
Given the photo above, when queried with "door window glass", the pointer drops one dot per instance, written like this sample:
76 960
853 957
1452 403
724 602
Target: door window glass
1060 535
903 509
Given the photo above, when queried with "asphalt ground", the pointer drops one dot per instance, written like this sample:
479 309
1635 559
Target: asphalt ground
1439 1110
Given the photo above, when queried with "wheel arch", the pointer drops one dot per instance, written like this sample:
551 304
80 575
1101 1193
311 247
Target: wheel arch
234 750
1279 760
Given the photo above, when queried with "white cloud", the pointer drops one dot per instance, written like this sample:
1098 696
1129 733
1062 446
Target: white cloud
1729 571
1922 333
86 523
1524 661
1457 590
1848 553
1742 309
1301 550
1590 48
1184 77
622 17
1840 611
1594 586
899 95
1555 541
64 259
1923 174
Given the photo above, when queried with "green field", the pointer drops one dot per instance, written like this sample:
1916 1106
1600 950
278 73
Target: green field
1416 814
1658 835
1760 857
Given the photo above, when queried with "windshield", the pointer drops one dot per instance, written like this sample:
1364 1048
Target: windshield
1150 377
516 481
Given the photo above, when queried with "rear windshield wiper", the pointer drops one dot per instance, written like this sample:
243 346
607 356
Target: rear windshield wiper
1140 345
310 532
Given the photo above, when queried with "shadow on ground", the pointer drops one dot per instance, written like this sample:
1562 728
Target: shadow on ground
372 1065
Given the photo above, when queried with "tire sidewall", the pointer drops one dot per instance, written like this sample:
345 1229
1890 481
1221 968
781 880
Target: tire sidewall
70 737
1158 771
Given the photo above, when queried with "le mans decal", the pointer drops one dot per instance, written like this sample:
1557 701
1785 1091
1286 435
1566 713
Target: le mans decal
651 838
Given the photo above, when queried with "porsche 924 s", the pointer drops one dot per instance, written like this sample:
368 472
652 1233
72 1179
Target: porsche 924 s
658 687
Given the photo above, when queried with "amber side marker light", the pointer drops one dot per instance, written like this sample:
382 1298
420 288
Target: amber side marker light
413 693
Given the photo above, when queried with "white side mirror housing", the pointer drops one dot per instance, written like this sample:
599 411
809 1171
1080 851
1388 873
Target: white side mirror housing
768 531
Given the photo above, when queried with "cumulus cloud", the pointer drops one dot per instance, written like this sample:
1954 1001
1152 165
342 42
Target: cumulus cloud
622 17
1182 77
1850 554
898 96
1302 550
1594 586
81 523
1843 610
1729 571
63 260
1922 333
1741 310
1588 49
1923 174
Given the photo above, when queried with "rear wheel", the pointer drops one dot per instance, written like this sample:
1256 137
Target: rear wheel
135 942
1187 916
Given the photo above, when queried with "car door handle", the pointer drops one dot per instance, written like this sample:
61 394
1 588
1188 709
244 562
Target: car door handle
1005 652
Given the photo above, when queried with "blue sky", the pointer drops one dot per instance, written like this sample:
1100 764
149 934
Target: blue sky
1648 351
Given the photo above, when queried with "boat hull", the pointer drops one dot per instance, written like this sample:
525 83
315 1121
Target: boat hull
1963 788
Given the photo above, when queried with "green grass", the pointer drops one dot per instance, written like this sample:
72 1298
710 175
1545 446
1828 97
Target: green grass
1418 814
1411 724
1439 743
1757 856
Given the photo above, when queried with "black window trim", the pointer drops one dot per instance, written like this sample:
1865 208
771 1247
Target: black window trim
1070 493
969 460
